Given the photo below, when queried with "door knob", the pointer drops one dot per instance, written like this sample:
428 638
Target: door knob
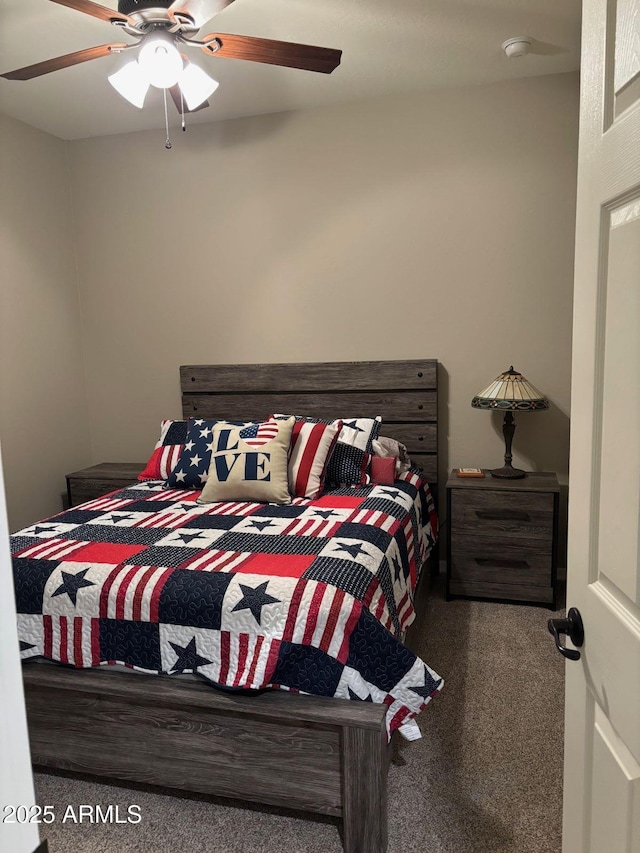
573 627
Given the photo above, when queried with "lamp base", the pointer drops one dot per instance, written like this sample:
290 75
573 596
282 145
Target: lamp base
507 472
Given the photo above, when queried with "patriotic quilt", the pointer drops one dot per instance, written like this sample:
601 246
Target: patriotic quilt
312 597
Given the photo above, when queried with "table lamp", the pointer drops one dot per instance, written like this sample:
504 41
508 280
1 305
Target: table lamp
510 392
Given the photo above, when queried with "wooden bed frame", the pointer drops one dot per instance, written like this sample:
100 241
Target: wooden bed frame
322 755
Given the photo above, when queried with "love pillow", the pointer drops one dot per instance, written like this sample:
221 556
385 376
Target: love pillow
249 463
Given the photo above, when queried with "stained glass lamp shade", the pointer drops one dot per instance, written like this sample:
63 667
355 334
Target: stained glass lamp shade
510 392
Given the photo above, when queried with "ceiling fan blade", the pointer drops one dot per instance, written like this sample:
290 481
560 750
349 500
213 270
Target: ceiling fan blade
200 11
89 8
49 65
175 94
289 54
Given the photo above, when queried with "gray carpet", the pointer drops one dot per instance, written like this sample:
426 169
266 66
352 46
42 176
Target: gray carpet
485 778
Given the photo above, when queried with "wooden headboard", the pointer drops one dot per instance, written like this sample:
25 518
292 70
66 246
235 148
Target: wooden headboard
404 393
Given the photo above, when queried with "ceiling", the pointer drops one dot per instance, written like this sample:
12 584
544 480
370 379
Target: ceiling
389 47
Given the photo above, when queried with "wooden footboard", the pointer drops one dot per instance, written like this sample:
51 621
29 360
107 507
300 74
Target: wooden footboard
301 752
323 755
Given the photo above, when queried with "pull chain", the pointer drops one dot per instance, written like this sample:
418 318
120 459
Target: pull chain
184 127
167 144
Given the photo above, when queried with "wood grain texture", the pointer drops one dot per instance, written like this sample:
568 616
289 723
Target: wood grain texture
535 481
500 570
81 491
99 480
536 552
28 72
627 43
364 804
502 591
502 540
279 762
391 406
110 471
493 512
288 54
274 748
429 464
317 377
177 690
417 437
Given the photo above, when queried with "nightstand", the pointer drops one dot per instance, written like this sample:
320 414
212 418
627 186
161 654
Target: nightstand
101 479
502 538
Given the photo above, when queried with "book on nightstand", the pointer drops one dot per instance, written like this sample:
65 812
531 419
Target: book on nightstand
469 472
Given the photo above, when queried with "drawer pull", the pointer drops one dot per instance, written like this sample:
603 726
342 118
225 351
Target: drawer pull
502 515
502 564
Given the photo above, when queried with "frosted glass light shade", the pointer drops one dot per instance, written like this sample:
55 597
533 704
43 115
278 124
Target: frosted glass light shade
131 82
196 85
160 61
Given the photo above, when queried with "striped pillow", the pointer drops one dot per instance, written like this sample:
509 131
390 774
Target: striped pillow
311 447
167 451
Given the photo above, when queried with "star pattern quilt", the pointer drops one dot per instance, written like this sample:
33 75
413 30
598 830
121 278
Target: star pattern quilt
312 597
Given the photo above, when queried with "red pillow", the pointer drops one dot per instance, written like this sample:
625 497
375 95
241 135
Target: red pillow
383 470
167 450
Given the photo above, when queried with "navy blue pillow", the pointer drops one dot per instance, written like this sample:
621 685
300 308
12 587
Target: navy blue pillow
348 466
192 467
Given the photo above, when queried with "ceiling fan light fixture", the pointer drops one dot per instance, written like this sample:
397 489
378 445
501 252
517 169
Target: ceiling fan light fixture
160 61
196 85
131 82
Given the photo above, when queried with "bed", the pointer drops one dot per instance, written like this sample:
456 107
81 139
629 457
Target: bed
283 748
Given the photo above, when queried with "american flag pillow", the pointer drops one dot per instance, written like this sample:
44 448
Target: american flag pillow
312 443
192 467
167 450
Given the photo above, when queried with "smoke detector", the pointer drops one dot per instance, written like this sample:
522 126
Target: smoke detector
517 46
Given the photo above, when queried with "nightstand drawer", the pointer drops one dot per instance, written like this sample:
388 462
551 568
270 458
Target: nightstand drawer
98 480
503 591
524 516
478 558
81 491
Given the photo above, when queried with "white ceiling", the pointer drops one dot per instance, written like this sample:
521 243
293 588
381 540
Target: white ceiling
389 47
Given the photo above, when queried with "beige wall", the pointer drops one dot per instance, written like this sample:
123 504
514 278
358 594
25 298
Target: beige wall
432 225
43 408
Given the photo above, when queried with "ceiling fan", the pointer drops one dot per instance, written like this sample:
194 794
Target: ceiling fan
161 28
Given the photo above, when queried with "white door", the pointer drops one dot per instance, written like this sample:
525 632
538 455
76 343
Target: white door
16 780
602 723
